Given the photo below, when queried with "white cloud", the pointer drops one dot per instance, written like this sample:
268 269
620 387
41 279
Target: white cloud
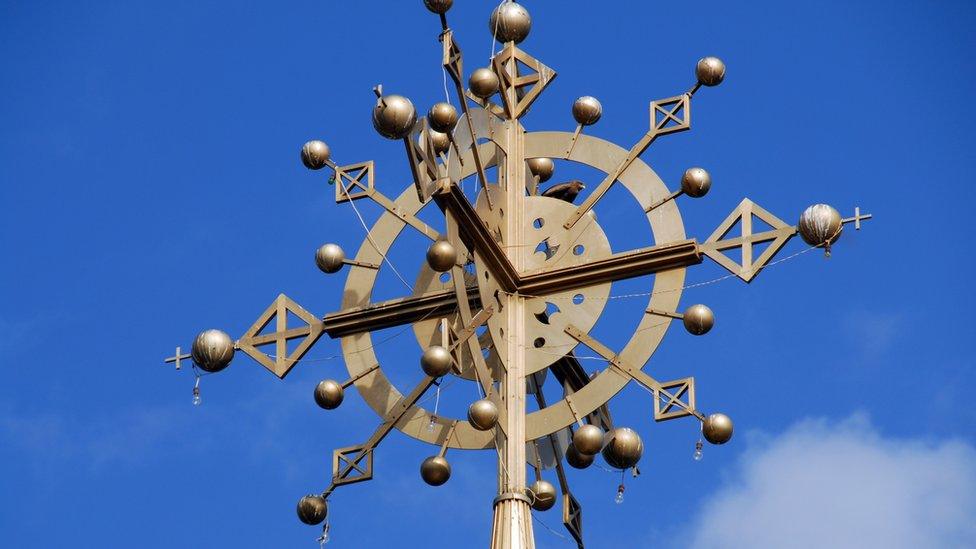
843 485
873 332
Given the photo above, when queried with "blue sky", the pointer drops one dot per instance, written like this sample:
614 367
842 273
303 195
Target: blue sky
150 177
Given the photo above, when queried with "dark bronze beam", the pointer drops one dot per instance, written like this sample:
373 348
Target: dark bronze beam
616 267
396 312
477 235
406 310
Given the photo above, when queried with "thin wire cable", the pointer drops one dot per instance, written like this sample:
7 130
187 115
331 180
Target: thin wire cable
447 96
369 236
494 33
546 526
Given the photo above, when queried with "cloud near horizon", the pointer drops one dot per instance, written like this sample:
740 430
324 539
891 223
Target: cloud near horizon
842 485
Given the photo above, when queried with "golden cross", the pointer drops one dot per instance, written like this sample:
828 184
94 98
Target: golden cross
179 356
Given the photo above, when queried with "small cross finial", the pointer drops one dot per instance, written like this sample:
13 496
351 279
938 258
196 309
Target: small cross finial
177 357
857 218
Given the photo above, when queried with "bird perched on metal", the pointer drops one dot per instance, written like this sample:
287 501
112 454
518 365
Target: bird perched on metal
565 191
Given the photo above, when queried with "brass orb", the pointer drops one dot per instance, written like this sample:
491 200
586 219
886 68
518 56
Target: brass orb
510 22
587 110
483 83
312 509
442 117
623 449
820 224
329 394
483 414
315 154
441 141
439 6
435 470
545 495
394 116
441 256
588 439
710 71
329 258
696 182
212 350
541 168
577 460
699 319
436 361
717 428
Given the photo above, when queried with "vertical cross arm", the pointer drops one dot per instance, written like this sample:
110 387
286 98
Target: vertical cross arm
467 319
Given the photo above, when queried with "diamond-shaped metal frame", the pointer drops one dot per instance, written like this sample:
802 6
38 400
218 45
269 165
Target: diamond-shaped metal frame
673 110
452 60
349 184
667 400
510 86
346 461
748 268
282 362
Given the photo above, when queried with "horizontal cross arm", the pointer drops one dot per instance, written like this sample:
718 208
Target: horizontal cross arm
616 267
395 312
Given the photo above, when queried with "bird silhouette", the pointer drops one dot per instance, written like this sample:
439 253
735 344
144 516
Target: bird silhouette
565 191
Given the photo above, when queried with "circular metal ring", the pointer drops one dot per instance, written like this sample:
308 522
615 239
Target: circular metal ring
666 226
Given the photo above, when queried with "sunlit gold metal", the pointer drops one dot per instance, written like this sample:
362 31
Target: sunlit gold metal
281 362
535 270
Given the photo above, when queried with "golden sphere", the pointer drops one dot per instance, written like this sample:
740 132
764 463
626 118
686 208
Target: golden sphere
717 428
541 168
315 154
545 495
394 116
441 256
510 22
442 117
441 141
329 394
483 83
435 470
436 361
623 449
577 460
329 258
212 350
588 439
820 224
696 182
312 509
439 6
710 71
483 414
699 319
587 110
